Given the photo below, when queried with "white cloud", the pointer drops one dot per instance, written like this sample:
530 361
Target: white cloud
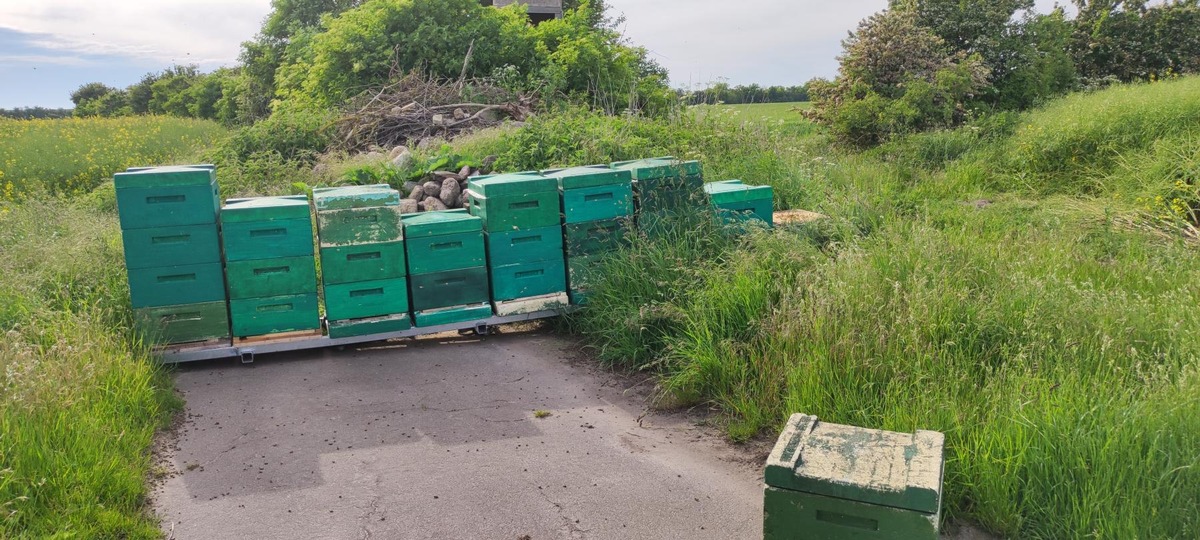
42 59
205 32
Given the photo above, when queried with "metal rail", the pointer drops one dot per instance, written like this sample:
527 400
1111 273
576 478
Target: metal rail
249 351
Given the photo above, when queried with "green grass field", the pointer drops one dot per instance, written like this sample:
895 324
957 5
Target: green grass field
786 116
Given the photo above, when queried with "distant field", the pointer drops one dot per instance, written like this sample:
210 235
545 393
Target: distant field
786 115
76 154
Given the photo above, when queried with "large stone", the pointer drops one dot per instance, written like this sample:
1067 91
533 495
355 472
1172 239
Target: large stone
432 203
403 159
408 206
417 193
450 192
432 189
397 151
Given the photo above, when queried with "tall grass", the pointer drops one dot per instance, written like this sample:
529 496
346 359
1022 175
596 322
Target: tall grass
74 155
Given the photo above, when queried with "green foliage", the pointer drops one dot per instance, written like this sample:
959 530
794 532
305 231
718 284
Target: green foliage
291 132
89 92
1127 40
743 94
31 113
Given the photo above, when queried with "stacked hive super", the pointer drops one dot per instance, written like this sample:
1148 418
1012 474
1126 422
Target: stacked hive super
447 267
664 186
736 202
363 269
270 266
522 218
597 214
173 252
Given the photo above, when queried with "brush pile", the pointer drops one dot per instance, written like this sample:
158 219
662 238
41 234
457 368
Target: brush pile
417 106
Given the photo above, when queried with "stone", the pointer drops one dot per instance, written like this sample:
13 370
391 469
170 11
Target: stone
433 203
417 193
439 119
442 175
403 159
460 114
409 206
410 185
450 192
432 189
487 164
464 173
397 151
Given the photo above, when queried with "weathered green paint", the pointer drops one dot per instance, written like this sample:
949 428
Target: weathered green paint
515 247
366 327
451 315
795 515
167 205
589 177
347 197
431 254
365 299
274 314
579 297
364 262
595 237
176 245
735 201
449 288
170 176
596 203
359 226
176 285
580 268
522 211
183 324
248 240
532 278
271 277
508 185
441 223
660 167
266 209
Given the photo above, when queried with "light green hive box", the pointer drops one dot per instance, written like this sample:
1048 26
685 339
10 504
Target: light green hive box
347 197
184 323
519 201
737 202
274 314
267 227
596 237
176 285
166 196
443 241
663 173
528 279
594 193
833 482
365 299
363 262
271 277
516 247
171 245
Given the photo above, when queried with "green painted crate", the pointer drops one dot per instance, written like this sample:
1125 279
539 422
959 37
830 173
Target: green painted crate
669 200
184 324
274 314
579 270
355 226
370 326
736 202
516 212
441 223
249 240
515 247
589 177
271 277
523 280
578 297
497 186
366 299
176 285
842 482
665 173
347 197
176 245
596 203
431 254
364 262
166 197
596 237
452 315
450 288
258 209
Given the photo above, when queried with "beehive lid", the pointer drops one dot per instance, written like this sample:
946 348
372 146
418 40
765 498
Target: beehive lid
441 222
660 167
735 191
341 198
900 470
587 177
265 209
499 185
165 176
208 166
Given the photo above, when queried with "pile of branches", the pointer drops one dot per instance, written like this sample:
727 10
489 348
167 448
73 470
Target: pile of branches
418 106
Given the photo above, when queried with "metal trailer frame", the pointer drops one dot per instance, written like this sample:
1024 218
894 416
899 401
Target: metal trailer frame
247 352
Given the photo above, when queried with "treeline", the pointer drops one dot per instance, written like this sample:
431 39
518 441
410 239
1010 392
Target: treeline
317 54
752 93
929 64
30 113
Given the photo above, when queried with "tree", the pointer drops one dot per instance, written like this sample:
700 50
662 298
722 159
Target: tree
90 91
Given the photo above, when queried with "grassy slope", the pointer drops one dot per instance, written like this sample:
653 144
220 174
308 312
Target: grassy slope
1049 332
80 398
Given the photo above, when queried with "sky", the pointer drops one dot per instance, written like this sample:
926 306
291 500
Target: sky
48 48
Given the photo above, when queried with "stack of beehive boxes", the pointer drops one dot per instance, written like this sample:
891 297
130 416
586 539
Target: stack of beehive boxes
664 186
522 219
363 269
447 267
173 252
736 202
597 207
270 265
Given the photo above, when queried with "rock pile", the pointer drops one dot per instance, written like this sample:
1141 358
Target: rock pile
440 190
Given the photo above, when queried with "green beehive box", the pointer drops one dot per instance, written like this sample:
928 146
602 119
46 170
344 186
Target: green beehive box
596 203
670 200
260 209
452 315
663 173
274 314
364 262
842 482
497 186
450 288
347 197
578 297
595 237
366 299
441 241
580 268
354 226
184 324
517 212
175 245
589 177
176 285
523 280
515 247
271 277
735 201
166 196
370 326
